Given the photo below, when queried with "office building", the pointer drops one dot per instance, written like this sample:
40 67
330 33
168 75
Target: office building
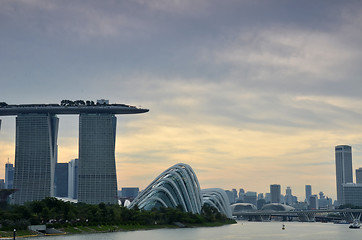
235 193
353 194
130 192
343 157
73 179
9 175
267 197
359 175
61 180
300 205
241 191
97 180
35 156
2 184
275 193
288 196
324 202
282 199
260 196
230 195
308 192
313 202
240 197
250 197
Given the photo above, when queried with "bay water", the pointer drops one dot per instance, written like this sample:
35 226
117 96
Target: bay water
242 230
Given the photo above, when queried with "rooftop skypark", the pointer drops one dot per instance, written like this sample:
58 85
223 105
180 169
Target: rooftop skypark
70 107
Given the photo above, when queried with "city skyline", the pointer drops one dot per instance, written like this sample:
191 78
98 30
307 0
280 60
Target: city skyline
38 175
249 93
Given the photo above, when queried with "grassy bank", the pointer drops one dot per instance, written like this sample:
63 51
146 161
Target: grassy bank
87 218
23 233
110 228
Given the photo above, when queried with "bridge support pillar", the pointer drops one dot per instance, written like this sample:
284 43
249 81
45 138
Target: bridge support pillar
306 217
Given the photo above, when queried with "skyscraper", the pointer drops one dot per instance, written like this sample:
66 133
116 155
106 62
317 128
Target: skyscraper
36 148
96 165
260 196
35 156
130 192
359 175
308 192
250 197
343 169
61 180
275 193
288 196
73 179
352 193
267 197
235 193
313 202
230 195
9 175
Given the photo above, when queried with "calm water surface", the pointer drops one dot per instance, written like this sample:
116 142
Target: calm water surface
241 230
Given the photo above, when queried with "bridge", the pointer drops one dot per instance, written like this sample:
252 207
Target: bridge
303 215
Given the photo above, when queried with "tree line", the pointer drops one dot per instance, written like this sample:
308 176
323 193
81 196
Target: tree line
56 213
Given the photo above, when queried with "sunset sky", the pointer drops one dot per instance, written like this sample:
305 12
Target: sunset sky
248 93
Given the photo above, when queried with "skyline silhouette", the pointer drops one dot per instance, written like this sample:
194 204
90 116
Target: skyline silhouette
249 93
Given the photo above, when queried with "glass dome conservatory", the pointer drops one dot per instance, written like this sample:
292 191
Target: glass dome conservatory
179 186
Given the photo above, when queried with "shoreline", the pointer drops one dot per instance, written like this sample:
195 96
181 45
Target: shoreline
73 230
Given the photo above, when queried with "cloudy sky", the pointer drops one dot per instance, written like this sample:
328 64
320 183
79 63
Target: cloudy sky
249 93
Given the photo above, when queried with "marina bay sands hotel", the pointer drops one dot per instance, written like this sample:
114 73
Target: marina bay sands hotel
36 148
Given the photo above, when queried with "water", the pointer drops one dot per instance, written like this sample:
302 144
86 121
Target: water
241 230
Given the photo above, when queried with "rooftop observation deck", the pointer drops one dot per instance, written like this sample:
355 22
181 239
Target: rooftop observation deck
70 107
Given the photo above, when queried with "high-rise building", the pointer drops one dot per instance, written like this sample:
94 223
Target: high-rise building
313 202
130 192
73 179
36 148
235 193
2 183
352 193
96 166
324 202
308 192
343 169
250 197
267 197
35 156
241 191
359 175
260 196
61 180
288 196
241 195
230 195
275 193
9 175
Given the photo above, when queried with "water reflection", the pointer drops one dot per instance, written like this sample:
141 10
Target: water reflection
241 230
